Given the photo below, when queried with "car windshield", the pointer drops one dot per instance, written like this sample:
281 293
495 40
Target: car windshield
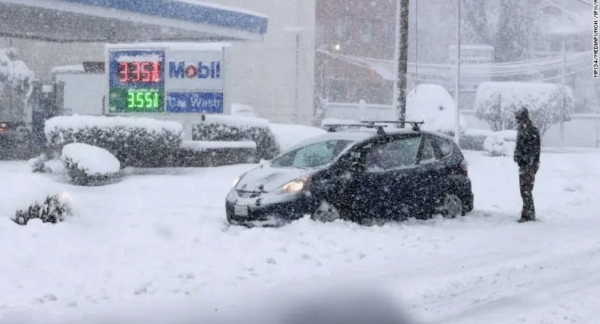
312 155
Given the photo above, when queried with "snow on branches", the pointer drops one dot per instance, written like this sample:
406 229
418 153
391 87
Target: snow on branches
15 86
497 102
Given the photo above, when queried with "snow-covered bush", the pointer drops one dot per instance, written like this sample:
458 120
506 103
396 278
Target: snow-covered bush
88 165
501 143
33 196
497 102
473 139
15 86
235 128
135 142
432 104
214 153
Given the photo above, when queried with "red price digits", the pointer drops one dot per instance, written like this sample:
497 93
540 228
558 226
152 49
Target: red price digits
123 72
155 77
139 72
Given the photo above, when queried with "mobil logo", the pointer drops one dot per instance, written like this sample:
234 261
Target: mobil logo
196 70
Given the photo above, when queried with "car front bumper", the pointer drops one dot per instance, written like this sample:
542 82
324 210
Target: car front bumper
266 209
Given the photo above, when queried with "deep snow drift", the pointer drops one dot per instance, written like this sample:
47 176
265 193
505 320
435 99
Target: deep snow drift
159 242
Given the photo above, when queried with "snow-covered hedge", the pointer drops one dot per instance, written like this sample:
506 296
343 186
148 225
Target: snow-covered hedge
432 104
497 102
473 139
501 143
236 128
88 165
33 196
135 142
214 153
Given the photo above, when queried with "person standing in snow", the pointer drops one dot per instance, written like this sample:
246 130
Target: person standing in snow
527 157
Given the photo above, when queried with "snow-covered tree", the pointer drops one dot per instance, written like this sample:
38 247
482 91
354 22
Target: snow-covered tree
475 22
497 102
516 27
15 86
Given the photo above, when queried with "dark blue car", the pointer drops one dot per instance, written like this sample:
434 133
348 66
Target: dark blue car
362 175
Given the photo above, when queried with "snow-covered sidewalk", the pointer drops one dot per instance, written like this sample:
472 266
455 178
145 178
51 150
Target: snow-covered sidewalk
160 239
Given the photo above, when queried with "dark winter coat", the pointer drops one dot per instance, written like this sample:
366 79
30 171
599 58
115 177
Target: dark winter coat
527 151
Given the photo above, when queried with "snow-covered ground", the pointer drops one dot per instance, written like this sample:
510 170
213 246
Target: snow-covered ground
160 241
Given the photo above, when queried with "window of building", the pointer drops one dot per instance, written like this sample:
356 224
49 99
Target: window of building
341 28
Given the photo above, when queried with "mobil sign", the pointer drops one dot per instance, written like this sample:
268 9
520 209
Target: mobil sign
194 81
193 70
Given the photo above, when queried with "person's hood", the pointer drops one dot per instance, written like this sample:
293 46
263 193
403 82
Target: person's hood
270 178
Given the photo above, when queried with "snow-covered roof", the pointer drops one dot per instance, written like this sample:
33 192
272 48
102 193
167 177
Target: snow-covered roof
128 21
174 46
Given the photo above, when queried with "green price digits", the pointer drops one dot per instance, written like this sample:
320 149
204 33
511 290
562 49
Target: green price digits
142 99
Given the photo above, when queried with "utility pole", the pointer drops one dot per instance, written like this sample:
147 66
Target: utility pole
402 59
457 84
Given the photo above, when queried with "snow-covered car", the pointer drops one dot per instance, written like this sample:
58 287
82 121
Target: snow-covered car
361 173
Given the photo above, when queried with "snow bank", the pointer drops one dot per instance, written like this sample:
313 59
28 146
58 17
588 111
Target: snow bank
79 123
90 159
289 135
432 104
478 132
501 143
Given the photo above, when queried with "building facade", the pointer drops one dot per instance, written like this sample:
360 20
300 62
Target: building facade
364 29
275 76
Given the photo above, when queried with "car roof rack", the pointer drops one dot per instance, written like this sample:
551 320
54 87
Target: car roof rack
331 128
416 125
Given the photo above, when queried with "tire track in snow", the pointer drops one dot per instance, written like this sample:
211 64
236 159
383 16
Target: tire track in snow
510 288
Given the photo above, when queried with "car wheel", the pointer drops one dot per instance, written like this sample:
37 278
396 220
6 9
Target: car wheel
325 213
452 206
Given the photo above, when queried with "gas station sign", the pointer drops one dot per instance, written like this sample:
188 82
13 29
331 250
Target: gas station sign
164 80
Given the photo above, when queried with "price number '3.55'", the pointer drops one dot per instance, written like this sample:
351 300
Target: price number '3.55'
142 100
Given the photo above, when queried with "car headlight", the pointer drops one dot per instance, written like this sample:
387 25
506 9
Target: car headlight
293 186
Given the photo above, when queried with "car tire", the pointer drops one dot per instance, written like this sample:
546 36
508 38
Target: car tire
325 213
452 206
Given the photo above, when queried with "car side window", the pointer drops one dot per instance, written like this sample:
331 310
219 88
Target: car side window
399 153
427 152
445 147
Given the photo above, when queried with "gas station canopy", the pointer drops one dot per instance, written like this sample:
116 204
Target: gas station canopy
113 21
